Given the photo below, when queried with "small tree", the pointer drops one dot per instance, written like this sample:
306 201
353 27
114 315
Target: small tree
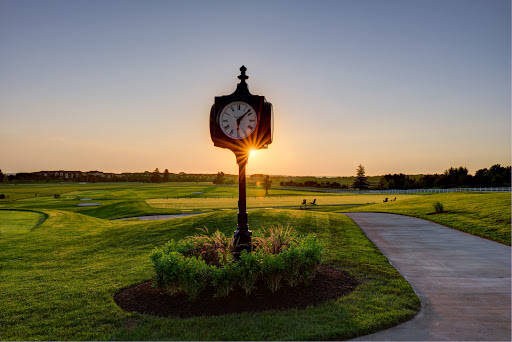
166 175
266 184
219 178
155 178
361 181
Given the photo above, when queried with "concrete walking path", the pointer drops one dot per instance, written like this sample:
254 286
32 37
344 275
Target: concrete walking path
463 281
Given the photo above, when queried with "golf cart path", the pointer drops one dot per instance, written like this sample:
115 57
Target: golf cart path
463 281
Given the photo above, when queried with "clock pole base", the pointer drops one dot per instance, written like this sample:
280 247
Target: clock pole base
242 241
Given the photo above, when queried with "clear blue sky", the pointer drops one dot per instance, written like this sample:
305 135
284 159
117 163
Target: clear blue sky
398 86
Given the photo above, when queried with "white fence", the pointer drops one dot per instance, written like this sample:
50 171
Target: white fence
394 191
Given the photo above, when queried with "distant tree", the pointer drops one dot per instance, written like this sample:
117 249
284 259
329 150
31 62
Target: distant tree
1 176
166 175
361 181
456 177
155 177
496 175
428 181
397 181
266 184
219 178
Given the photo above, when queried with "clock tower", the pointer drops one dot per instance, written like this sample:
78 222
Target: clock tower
241 122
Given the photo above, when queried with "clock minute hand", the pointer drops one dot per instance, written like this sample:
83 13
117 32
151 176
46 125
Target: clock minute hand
240 118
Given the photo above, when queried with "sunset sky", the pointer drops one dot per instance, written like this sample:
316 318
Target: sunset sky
117 86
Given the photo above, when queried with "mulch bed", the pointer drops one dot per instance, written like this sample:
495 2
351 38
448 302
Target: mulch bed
328 284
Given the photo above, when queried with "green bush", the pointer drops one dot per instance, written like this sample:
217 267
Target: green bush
225 279
192 264
438 207
193 275
167 267
249 270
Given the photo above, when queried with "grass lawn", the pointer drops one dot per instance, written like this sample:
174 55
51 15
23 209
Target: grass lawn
270 201
58 281
15 222
482 214
59 277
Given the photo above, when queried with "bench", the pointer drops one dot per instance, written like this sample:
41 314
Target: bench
304 203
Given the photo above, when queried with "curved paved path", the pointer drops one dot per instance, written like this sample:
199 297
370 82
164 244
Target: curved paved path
463 281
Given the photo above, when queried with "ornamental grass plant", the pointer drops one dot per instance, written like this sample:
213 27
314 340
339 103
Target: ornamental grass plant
438 207
192 264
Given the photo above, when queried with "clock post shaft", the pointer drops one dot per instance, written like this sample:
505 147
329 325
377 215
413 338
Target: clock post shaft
242 235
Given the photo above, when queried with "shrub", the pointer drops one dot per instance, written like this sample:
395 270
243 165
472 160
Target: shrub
190 265
272 269
249 270
310 256
2 196
438 207
168 268
193 276
225 279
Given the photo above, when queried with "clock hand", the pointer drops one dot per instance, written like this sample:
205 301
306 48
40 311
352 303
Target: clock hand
240 118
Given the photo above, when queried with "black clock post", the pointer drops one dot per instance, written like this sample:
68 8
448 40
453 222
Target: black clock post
242 235
241 122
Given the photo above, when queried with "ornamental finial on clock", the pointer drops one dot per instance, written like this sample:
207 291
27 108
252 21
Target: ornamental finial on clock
242 88
243 76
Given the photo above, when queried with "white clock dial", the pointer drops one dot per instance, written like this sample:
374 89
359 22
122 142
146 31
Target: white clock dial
238 120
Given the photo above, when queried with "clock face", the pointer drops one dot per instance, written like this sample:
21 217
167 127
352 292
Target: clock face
238 120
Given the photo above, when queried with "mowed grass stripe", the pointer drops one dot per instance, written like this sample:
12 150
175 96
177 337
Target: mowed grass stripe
15 222
271 201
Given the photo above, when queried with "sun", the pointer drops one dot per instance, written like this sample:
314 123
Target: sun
252 153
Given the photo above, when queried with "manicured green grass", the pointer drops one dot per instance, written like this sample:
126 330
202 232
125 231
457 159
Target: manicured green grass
58 281
482 214
132 191
14 222
270 201
137 199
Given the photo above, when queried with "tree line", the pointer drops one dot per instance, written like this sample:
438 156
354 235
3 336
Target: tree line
495 176
95 176
454 177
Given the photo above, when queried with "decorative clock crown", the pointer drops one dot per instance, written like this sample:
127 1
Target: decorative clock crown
243 76
242 89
